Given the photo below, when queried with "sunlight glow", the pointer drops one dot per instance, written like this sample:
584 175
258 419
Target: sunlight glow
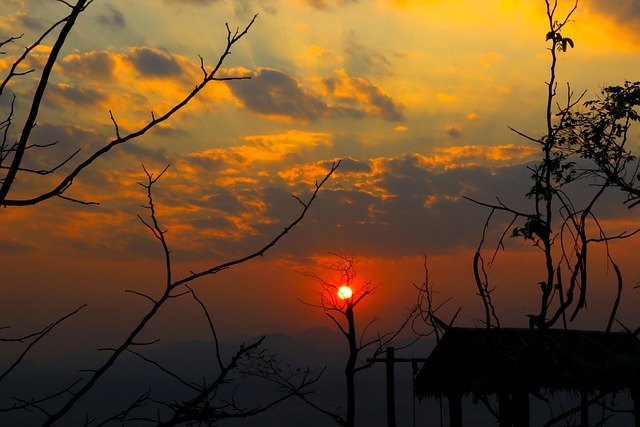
344 292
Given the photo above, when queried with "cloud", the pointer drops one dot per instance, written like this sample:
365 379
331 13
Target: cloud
54 144
192 2
359 96
453 131
273 94
624 11
19 21
399 206
100 65
112 19
130 83
326 4
259 149
625 16
479 154
80 96
154 63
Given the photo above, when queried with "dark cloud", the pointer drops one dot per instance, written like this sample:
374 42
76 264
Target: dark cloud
28 22
97 64
453 131
10 247
327 4
67 140
192 2
209 163
422 211
349 165
145 155
394 207
223 200
624 11
81 96
153 63
111 19
273 93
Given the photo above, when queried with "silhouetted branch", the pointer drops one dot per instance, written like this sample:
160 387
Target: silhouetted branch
37 336
30 121
426 313
260 252
571 137
169 293
65 182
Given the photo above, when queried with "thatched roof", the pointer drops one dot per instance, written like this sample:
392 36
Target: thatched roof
487 361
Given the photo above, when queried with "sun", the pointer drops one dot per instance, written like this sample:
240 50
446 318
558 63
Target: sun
344 292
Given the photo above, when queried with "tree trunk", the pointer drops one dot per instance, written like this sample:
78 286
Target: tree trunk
350 368
504 409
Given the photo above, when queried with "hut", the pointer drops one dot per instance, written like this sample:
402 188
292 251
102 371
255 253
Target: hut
512 364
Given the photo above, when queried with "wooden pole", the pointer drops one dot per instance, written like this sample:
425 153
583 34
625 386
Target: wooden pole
636 406
504 409
390 360
391 388
520 408
455 409
584 408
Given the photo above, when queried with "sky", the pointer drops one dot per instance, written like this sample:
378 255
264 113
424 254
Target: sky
414 97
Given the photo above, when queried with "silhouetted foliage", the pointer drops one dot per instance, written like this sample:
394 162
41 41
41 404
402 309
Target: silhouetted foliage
584 153
563 230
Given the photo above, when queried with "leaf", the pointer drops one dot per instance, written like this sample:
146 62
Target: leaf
549 36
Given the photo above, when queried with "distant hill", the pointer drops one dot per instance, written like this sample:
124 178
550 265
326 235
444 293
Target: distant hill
318 348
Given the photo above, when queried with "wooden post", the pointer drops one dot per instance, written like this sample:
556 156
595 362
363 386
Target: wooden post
455 409
635 395
504 409
584 408
520 408
390 361
391 388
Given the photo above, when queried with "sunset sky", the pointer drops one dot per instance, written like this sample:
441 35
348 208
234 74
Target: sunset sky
415 97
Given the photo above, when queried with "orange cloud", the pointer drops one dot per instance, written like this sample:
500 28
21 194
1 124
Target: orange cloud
502 153
264 149
131 84
363 94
